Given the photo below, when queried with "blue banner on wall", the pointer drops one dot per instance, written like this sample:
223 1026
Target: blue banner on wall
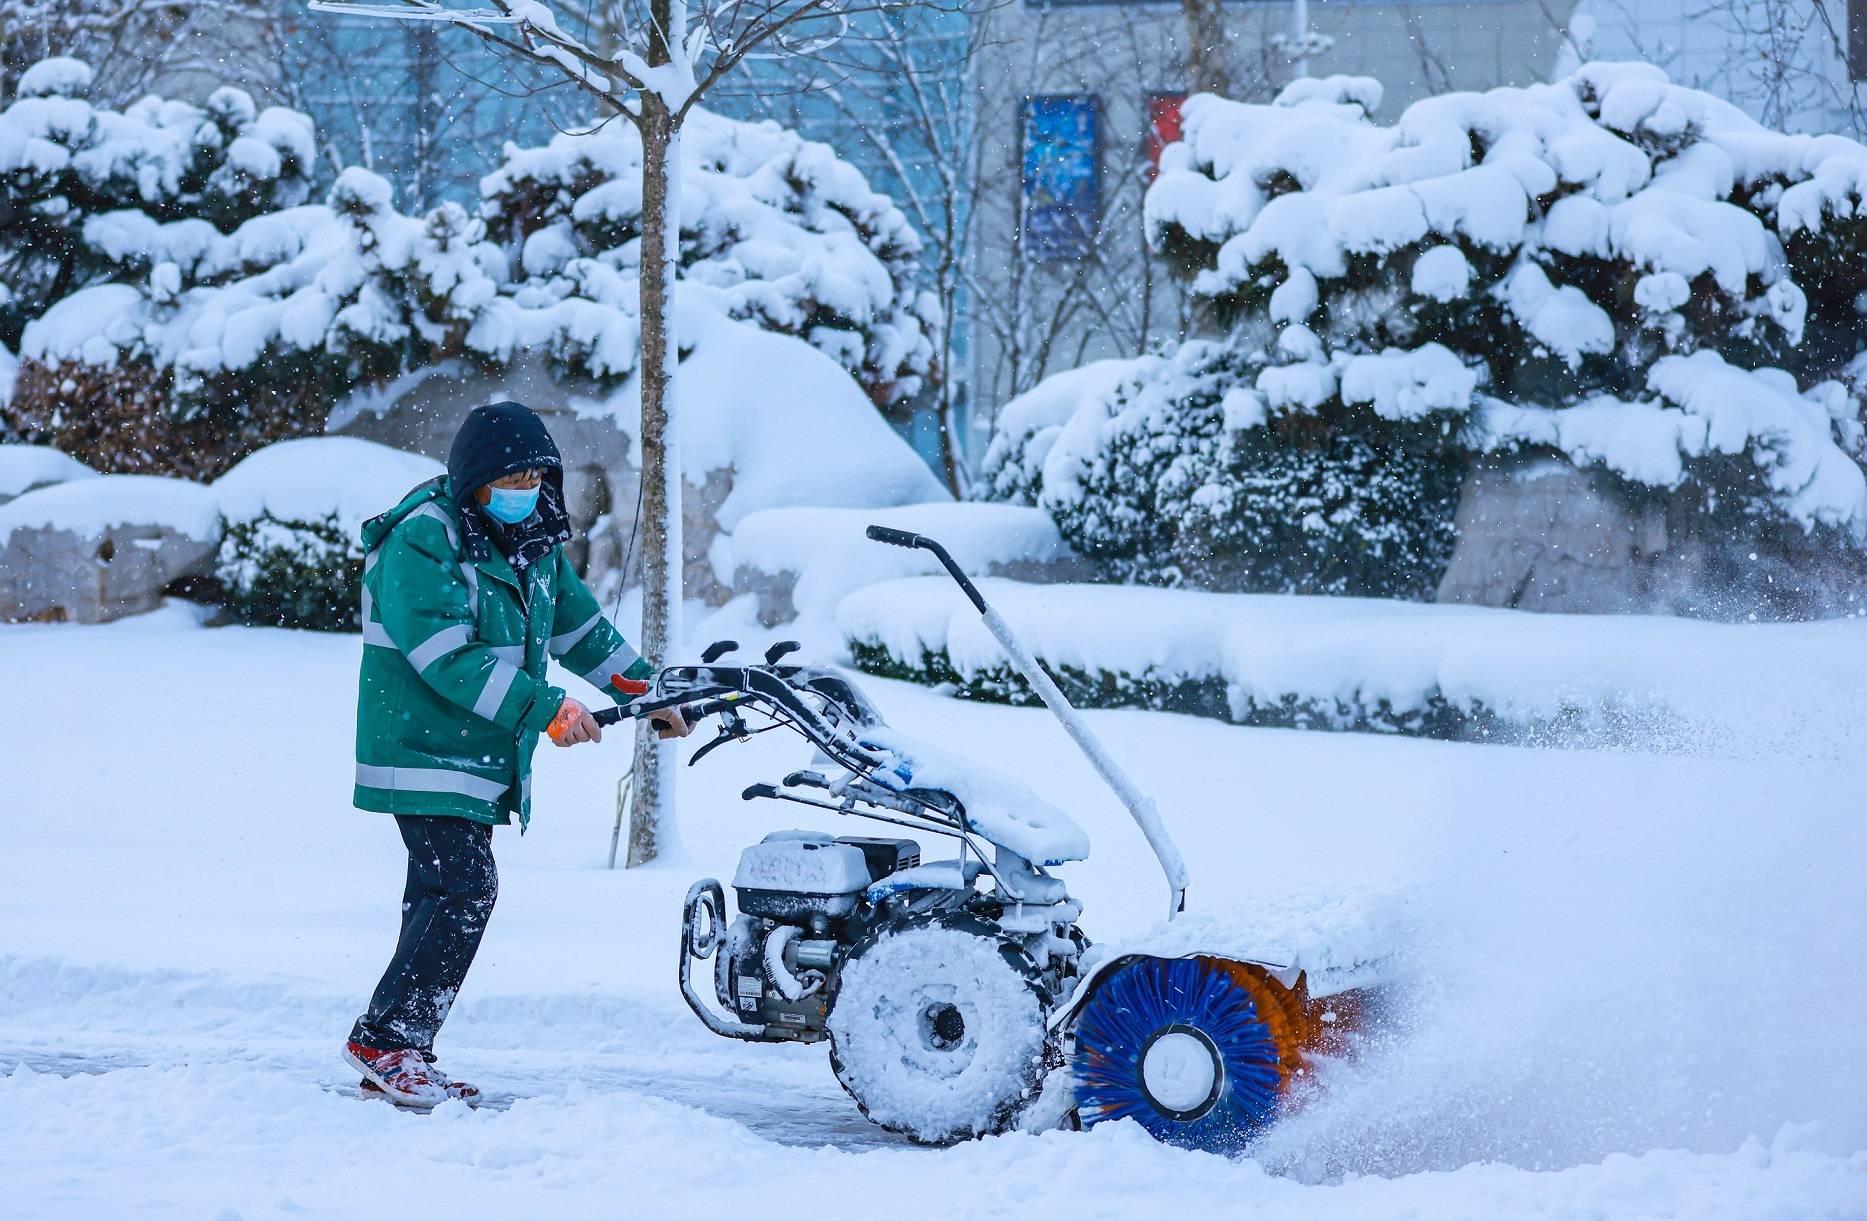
1062 176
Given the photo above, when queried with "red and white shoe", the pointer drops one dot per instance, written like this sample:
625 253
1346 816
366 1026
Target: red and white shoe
459 1090
400 1073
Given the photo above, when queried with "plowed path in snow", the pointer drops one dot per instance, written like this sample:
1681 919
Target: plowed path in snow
1641 976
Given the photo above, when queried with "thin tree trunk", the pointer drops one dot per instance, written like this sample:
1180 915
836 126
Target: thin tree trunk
651 811
1208 54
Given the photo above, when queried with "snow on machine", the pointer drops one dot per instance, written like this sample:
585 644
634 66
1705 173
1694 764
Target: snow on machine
951 991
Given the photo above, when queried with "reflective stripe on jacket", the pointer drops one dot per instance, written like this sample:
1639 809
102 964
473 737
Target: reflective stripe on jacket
452 694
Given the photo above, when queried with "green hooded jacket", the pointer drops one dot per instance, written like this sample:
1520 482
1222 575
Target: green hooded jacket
452 695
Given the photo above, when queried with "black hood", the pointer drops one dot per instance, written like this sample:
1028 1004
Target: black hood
496 440
493 442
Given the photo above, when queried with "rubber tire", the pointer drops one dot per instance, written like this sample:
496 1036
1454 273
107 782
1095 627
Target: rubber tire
891 1066
1250 1024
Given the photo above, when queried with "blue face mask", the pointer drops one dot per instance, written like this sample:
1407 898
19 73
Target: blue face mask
512 505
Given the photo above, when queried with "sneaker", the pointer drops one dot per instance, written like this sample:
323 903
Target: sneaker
460 1090
400 1073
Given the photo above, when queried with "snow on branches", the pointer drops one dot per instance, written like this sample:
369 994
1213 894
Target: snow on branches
92 193
169 249
779 231
1612 267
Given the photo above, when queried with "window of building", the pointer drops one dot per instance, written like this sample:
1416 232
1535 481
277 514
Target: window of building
1062 180
1163 126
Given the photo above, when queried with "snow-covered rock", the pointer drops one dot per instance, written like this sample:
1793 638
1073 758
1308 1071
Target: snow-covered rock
1541 535
90 550
766 421
801 562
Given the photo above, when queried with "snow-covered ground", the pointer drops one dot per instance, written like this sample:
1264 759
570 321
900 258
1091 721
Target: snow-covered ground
1639 979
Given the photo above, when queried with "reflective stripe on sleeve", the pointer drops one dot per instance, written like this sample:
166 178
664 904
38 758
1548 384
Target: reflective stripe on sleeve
429 780
494 693
440 515
375 633
439 645
511 654
616 663
561 645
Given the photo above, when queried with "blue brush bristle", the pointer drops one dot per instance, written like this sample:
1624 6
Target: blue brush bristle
1142 998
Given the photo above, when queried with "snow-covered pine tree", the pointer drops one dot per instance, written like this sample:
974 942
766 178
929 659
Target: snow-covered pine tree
1609 269
86 188
784 233
198 340
142 199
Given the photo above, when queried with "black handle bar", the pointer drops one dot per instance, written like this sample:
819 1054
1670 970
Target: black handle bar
920 542
691 713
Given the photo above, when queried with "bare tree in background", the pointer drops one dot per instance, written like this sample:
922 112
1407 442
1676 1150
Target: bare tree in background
1035 317
649 63
134 46
1208 52
1786 62
905 96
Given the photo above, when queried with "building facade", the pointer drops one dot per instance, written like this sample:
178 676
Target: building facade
1076 99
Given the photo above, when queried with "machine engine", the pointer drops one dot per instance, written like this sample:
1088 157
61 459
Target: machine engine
807 899
802 899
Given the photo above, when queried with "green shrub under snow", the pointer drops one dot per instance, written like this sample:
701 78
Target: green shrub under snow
301 574
1203 695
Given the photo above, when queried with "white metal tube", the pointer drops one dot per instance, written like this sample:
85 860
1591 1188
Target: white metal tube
1140 806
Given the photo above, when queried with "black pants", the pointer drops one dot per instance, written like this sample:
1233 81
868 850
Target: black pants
452 885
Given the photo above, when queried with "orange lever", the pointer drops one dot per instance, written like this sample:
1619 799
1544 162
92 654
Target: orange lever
629 686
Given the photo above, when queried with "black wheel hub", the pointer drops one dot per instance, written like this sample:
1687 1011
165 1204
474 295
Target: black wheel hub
945 1025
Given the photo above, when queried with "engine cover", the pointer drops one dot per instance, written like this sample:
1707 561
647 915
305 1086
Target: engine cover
791 876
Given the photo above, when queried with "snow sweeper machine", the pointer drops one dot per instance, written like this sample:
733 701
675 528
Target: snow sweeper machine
960 996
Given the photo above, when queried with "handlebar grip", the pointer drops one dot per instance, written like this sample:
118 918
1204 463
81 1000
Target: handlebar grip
894 537
610 716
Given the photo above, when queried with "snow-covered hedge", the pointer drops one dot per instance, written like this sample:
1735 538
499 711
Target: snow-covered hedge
1167 470
1625 271
790 237
293 552
1371 664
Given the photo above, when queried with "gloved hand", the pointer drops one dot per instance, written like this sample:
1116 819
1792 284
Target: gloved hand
669 723
573 724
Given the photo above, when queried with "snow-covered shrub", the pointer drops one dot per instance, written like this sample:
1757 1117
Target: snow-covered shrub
120 416
91 193
225 327
303 574
1625 272
1176 471
292 555
789 236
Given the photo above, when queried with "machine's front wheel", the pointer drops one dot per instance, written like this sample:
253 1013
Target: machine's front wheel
1197 1050
938 1029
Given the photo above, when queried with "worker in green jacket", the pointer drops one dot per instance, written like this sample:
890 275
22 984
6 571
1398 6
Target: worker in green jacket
466 594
